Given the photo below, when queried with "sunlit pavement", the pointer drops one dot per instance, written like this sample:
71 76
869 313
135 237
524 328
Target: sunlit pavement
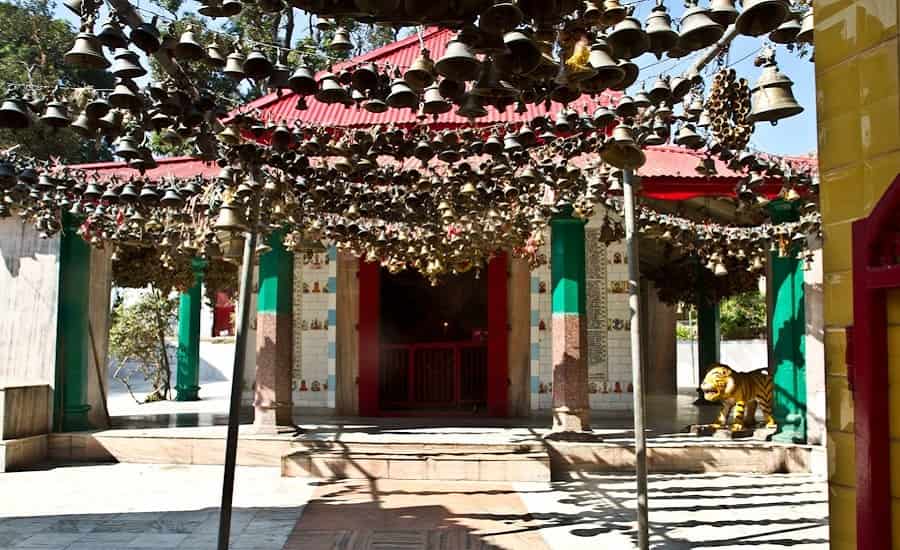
151 506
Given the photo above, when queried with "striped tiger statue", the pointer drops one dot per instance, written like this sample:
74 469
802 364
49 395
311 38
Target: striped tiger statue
742 391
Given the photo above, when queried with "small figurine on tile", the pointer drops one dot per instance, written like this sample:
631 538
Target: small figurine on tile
316 386
305 288
324 386
617 258
303 386
617 388
630 387
325 324
304 325
542 388
605 388
593 387
325 289
542 325
542 287
315 287
314 325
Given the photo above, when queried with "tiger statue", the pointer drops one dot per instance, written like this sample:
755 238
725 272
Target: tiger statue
742 391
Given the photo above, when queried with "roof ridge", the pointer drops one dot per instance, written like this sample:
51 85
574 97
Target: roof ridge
373 55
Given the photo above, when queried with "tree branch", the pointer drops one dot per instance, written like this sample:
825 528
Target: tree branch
289 27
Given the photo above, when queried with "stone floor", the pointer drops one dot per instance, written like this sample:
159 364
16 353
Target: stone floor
132 506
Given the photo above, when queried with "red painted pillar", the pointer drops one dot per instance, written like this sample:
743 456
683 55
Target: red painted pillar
498 336
369 337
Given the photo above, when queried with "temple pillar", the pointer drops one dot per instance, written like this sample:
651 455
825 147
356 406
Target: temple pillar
708 335
188 374
273 408
788 326
72 336
571 409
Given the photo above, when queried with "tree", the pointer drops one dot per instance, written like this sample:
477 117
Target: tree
743 315
32 47
138 335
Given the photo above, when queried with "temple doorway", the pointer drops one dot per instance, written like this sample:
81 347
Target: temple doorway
433 344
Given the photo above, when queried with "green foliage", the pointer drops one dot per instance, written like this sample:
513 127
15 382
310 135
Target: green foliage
137 335
32 46
743 316
685 332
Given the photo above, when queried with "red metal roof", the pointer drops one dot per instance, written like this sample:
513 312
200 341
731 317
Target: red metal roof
178 167
400 54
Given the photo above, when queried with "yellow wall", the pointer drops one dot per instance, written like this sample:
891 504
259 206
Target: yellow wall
858 101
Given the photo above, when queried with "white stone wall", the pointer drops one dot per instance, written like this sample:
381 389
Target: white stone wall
315 317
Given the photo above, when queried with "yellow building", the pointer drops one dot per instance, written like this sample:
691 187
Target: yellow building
858 100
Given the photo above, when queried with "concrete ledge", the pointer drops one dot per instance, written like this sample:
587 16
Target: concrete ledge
474 467
19 453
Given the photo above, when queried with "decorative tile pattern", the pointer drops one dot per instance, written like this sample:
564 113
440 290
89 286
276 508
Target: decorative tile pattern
315 317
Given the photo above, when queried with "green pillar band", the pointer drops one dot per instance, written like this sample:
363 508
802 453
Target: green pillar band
788 334
188 380
567 265
71 411
276 277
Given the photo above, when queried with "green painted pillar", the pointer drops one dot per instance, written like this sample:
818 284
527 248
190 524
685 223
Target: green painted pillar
787 337
272 404
188 374
571 409
708 336
72 338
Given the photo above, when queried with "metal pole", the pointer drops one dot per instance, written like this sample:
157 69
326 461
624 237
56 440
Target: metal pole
637 371
237 376
711 53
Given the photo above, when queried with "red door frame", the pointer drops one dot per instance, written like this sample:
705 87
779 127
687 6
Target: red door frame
876 248
370 340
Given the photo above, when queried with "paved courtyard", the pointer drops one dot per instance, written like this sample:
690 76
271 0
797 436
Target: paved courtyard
134 506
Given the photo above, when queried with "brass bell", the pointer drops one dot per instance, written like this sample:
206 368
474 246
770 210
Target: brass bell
126 64
330 90
97 108
786 33
603 117
74 6
621 150
86 53
111 35
302 82
171 199
688 137
420 74
84 127
641 99
364 77
234 66
56 115
453 90
660 91
613 13
627 39
471 107
806 29
626 108
270 6
761 16
723 12
402 96
278 78
490 86
500 17
434 102
772 96
126 148
230 220
124 96
659 30
524 55
458 62
592 14
146 36
188 49
375 105
340 43
630 71
698 30
14 114
257 66
214 56
607 71
680 87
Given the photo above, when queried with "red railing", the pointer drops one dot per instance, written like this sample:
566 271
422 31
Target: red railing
437 375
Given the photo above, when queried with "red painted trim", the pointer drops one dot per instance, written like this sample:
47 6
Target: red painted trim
369 337
869 368
498 336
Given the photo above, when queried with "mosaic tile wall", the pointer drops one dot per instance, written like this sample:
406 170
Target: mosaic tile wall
608 320
315 319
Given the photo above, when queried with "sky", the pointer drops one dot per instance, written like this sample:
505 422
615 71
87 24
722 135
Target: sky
792 136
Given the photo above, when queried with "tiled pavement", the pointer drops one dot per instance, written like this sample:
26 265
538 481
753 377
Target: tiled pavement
132 506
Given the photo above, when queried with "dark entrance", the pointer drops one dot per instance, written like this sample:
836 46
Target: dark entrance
433 343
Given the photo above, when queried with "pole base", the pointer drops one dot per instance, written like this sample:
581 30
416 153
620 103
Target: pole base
189 393
790 435
75 419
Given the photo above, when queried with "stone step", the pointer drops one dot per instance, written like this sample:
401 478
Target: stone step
421 465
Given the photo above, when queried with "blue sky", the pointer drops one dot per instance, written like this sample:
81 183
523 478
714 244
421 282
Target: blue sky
793 136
